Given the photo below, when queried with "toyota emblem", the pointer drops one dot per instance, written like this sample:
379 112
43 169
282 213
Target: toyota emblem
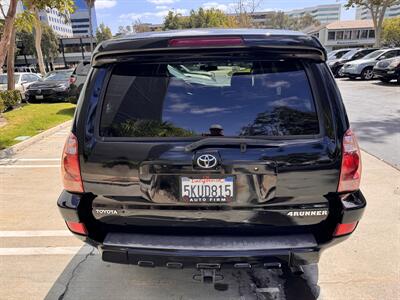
207 161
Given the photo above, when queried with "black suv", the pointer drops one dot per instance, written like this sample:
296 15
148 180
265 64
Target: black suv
210 149
77 80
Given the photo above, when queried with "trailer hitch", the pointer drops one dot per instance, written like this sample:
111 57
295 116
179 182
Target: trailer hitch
209 273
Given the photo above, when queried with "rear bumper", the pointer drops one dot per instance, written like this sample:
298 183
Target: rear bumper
177 251
48 95
192 251
386 73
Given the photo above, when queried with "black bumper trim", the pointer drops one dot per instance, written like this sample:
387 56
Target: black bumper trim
209 243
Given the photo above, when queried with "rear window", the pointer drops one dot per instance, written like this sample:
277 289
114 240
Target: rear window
222 98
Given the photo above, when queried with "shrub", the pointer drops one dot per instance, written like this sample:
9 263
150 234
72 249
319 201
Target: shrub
8 99
2 106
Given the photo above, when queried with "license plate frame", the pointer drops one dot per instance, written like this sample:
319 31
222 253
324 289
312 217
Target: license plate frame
227 183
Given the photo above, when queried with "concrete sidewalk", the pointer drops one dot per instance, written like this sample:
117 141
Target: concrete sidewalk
367 265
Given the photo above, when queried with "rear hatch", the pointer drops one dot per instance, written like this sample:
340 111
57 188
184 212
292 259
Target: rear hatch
230 141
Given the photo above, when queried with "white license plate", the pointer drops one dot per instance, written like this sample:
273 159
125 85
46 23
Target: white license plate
207 190
39 97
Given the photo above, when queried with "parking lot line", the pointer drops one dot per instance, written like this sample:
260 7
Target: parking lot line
28 166
47 251
34 233
28 159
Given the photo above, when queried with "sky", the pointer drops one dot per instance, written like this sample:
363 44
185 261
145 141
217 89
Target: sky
115 13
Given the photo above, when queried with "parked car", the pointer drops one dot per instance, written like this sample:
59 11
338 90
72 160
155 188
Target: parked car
253 166
53 87
364 67
22 81
388 69
336 54
337 64
77 79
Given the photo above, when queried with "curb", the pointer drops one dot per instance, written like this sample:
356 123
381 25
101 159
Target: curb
381 160
25 144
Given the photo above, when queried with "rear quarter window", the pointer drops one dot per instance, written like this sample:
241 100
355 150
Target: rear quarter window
220 98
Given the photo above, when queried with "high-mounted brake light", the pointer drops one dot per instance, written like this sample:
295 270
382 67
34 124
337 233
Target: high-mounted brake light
350 173
206 42
70 169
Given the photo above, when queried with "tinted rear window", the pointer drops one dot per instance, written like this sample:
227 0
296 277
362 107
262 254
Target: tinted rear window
229 98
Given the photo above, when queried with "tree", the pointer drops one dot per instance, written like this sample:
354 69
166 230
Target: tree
173 21
7 30
49 42
65 7
306 21
28 42
377 9
103 33
138 26
11 61
243 10
201 18
391 32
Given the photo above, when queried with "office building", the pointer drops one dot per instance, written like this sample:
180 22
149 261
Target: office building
364 13
60 23
80 19
6 4
322 13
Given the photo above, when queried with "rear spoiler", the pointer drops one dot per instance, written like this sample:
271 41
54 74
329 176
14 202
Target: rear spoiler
154 49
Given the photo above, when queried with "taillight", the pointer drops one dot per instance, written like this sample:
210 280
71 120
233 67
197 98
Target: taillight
72 80
350 173
70 169
206 42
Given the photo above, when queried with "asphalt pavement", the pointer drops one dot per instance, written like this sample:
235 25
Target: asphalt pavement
373 108
40 259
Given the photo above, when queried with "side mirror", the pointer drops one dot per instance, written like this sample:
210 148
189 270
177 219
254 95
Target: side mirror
382 57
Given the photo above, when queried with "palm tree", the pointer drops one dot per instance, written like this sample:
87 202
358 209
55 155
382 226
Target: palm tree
90 4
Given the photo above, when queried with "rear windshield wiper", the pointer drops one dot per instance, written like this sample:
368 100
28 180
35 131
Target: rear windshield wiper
221 141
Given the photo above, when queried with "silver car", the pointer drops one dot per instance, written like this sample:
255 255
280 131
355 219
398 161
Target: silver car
22 81
364 67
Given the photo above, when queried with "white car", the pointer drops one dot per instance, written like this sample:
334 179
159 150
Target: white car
22 81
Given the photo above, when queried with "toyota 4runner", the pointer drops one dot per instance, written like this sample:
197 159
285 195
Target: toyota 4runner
210 149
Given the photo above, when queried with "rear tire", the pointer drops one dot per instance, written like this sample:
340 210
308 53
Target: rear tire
367 74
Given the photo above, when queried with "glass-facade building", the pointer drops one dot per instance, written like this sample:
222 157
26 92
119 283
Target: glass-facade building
80 19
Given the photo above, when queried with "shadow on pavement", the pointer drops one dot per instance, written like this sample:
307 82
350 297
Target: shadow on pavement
373 131
381 83
67 111
87 277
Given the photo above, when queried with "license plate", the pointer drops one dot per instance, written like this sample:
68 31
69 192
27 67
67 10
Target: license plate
39 97
207 190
